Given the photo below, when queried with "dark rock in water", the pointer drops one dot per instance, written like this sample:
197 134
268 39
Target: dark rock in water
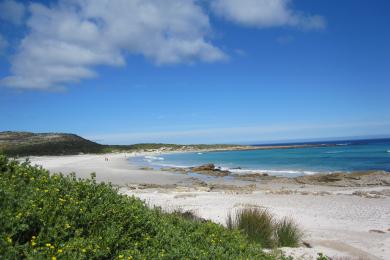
210 169
204 167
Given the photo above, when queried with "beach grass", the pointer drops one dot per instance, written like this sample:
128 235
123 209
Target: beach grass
257 224
288 234
262 227
51 216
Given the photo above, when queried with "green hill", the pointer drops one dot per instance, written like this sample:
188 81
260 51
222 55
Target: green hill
26 143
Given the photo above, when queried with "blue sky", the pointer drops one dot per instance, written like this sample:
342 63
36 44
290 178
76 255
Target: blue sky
202 72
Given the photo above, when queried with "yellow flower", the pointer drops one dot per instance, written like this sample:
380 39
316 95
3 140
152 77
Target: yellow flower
121 256
59 250
33 243
46 190
48 244
9 240
67 225
84 250
53 258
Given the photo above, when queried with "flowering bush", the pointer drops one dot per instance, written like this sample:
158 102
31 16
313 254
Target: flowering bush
52 216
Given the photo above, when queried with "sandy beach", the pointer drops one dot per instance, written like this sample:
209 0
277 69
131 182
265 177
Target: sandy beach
351 222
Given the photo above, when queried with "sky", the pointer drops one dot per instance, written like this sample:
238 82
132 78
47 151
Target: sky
196 71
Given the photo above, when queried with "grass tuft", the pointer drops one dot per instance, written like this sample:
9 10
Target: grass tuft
257 224
261 226
288 233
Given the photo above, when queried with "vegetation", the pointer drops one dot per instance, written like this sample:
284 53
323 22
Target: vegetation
288 233
24 143
46 215
256 223
260 226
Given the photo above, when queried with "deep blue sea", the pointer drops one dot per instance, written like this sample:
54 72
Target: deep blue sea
346 156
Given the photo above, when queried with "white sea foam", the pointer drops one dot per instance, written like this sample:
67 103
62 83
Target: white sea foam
151 159
271 172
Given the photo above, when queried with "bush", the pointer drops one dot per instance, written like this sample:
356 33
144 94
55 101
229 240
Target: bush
46 215
256 223
188 214
260 226
288 233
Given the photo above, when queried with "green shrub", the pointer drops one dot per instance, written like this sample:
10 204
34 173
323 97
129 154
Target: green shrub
257 224
188 214
288 233
46 215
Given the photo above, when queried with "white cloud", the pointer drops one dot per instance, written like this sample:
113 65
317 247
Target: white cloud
265 13
12 11
3 43
66 41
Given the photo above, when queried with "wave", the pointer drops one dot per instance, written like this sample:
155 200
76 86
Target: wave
158 162
388 151
332 152
271 172
175 165
150 158
343 144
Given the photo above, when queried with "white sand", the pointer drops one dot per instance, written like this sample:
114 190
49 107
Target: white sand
337 224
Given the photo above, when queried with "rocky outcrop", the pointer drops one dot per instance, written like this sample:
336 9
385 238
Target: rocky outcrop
355 179
210 169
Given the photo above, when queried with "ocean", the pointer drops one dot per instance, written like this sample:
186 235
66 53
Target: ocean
346 156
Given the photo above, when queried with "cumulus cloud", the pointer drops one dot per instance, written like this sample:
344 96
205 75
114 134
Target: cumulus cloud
265 13
12 11
67 40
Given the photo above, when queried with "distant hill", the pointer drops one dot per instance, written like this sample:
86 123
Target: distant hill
26 143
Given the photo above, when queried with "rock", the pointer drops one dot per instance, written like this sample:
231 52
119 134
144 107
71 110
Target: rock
146 168
210 169
376 231
204 167
354 179
175 169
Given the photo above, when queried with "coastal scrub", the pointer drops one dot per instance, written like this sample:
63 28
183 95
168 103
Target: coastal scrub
53 216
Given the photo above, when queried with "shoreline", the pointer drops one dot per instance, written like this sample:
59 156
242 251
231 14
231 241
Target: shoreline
338 221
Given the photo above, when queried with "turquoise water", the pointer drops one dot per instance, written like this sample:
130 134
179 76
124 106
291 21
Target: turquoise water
345 156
